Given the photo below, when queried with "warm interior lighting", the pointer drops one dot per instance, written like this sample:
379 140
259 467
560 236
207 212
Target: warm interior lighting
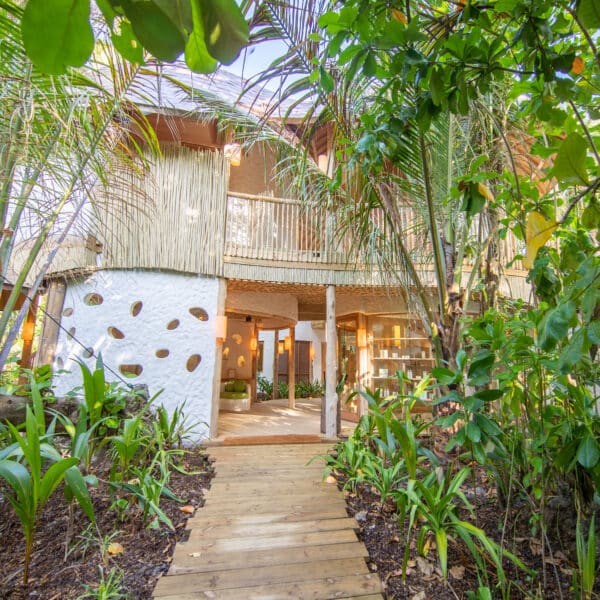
280 348
311 352
234 153
397 335
287 344
221 327
253 344
27 332
361 338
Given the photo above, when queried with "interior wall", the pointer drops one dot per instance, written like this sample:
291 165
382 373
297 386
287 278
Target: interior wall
237 355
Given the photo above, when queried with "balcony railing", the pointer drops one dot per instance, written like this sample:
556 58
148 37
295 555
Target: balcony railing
282 230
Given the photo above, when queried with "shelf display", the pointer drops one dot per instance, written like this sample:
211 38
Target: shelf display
397 343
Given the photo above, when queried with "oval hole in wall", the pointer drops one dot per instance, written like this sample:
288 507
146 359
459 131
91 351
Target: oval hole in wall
93 299
199 313
67 312
174 324
136 308
192 362
71 332
115 333
162 353
131 371
88 353
60 363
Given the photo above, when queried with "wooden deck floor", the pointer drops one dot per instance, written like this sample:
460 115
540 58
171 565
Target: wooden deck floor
271 529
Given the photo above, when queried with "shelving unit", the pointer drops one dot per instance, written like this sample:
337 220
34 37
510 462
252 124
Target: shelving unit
397 343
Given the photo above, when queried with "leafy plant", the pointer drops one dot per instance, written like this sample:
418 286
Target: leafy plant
110 587
174 429
586 560
31 486
265 387
132 442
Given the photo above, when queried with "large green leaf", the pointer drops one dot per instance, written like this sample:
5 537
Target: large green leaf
53 476
17 477
226 30
569 165
555 325
57 33
179 11
588 12
588 453
155 30
197 56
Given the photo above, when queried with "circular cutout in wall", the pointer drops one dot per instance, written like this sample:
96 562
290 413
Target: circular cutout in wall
71 332
88 353
115 333
60 363
162 353
67 312
174 324
136 308
93 299
199 313
192 362
131 371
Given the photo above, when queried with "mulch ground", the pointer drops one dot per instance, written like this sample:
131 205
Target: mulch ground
146 553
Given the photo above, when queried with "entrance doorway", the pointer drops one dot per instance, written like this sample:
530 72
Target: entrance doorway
302 363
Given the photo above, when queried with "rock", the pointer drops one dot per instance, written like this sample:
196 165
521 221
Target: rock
361 516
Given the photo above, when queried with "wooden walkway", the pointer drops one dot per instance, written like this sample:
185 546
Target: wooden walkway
270 529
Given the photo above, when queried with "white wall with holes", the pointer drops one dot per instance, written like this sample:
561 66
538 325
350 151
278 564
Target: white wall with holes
152 328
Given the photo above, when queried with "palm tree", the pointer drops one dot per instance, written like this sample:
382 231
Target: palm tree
379 161
61 137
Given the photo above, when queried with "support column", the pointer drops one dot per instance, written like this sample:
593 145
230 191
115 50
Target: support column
276 365
27 333
331 399
216 391
292 369
50 326
363 362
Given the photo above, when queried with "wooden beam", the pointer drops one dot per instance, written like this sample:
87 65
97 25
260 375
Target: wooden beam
216 380
331 399
27 334
292 369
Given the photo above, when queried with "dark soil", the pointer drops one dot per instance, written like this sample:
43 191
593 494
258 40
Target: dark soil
146 553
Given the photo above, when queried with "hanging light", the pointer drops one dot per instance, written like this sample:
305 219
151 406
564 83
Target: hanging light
311 351
234 153
288 343
280 348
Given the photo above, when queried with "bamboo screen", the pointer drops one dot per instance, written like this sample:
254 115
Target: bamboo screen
171 218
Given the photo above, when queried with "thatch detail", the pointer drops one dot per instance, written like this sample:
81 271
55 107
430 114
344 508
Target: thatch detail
172 218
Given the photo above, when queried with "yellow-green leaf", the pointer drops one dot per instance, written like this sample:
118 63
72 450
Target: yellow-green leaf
538 232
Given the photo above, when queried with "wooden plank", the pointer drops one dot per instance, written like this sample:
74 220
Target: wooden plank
252 543
292 516
267 575
243 529
255 489
314 589
269 503
185 561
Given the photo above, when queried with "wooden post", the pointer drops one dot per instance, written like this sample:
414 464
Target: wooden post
331 399
292 369
50 326
276 364
363 365
216 383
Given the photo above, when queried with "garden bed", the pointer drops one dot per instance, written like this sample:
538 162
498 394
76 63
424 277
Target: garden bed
139 553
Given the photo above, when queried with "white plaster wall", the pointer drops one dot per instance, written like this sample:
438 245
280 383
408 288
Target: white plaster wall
164 297
304 332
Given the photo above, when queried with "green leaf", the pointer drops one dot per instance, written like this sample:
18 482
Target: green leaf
489 395
588 12
53 476
179 12
569 165
555 325
77 486
155 30
57 33
436 86
197 56
443 375
473 432
593 332
127 44
588 453
17 477
226 30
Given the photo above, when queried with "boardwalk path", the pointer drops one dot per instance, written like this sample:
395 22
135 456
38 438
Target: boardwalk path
270 529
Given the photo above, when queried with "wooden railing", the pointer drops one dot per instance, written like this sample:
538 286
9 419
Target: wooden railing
281 230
